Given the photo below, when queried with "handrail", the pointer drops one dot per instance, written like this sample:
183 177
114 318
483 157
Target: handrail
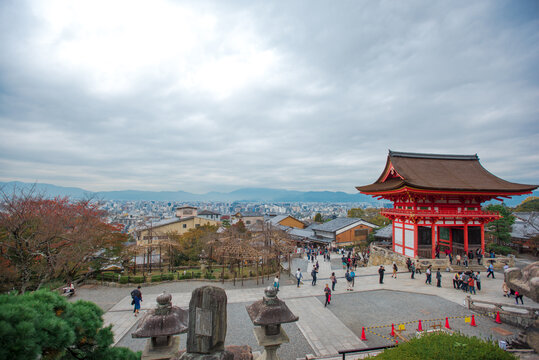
344 352
442 213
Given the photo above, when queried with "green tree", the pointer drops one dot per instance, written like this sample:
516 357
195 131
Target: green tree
501 228
192 242
318 218
529 204
44 325
355 213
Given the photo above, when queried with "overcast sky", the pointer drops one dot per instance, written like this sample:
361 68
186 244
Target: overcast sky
306 95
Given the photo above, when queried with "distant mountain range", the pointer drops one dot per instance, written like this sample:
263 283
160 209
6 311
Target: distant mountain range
249 194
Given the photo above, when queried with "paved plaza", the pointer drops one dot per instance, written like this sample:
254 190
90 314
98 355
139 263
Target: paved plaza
323 331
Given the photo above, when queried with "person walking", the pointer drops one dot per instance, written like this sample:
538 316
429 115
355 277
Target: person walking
418 267
395 269
313 274
348 281
136 295
327 292
478 280
353 277
518 295
428 273
490 271
505 289
276 282
333 279
465 260
299 275
412 271
438 278
458 259
381 273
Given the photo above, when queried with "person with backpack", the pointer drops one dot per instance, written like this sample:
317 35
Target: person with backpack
478 280
313 275
348 281
276 282
299 275
136 295
412 270
490 271
353 277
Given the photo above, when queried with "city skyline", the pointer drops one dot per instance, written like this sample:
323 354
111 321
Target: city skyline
302 96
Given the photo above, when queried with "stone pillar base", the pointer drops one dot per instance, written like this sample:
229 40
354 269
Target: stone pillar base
162 352
270 343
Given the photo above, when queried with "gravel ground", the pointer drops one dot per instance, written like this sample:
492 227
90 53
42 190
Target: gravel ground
106 297
386 307
240 328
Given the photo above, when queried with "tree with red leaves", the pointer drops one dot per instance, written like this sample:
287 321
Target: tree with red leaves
44 239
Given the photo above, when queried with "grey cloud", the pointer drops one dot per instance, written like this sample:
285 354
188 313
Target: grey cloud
346 82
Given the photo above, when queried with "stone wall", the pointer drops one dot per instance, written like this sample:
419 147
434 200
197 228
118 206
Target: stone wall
499 262
521 316
381 256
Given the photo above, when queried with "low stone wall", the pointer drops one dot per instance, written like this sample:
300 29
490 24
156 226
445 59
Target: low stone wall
499 262
381 256
441 264
521 316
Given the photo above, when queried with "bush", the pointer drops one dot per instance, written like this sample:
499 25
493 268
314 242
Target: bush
169 276
137 279
108 276
44 325
226 276
124 279
208 276
499 249
156 278
443 346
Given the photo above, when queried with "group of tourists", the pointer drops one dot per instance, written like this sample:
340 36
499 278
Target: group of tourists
467 281
314 252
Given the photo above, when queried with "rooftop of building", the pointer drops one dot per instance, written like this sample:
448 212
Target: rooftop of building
440 172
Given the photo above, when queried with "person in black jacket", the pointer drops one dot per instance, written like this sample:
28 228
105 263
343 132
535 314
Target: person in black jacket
381 272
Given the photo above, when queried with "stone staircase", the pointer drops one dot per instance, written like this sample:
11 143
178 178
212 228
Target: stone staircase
471 267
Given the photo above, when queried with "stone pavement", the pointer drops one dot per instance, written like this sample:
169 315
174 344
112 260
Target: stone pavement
323 330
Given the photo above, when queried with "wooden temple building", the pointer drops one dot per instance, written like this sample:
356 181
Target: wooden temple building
437 201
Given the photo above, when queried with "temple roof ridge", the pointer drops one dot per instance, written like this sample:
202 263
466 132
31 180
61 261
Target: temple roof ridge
432 156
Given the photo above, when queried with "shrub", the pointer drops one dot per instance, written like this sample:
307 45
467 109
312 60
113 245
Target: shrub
137 279
44 325
124 279
169 276
108 276
226 276
443 346
156 278
499 249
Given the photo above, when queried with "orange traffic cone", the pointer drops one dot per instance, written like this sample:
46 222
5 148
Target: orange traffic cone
473 321
363 337
419 326
447 323
498 320
392 330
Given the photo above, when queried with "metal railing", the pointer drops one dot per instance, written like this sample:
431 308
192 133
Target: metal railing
357 351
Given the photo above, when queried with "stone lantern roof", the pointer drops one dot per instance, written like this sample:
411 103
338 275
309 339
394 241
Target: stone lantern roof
270 310
164 320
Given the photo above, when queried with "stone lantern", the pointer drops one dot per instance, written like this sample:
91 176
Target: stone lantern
268 314
161 325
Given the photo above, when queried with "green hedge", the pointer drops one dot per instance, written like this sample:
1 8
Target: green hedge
499 249
169 276
124 280
108 276
156 278
136 279
442 346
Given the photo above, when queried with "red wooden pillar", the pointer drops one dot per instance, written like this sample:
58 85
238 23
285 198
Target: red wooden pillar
466 238
451 241
403 240
393 238
483 238
415 239
433 233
